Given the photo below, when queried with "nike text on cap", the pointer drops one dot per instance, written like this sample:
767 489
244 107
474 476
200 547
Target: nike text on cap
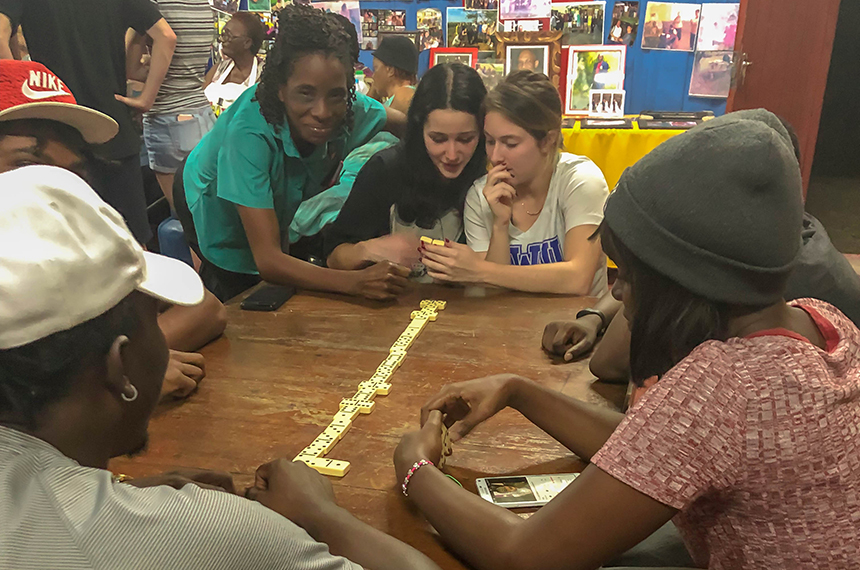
29 90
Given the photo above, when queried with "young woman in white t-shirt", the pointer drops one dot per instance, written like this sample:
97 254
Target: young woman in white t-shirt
529 223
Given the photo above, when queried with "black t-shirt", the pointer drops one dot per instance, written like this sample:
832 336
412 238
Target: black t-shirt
824 273
366 214
83 43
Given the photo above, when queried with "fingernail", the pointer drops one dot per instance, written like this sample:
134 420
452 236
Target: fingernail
447 241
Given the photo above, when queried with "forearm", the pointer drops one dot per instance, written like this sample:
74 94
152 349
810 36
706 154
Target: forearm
581 427
611 358
348 256
562 278
499 250
282 269
482 533
163 44
190 328
348 537
5 37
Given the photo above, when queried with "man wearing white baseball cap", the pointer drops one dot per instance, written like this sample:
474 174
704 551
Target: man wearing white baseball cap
57 131
81 364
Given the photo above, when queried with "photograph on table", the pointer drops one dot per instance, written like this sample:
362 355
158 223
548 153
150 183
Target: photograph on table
581 23
472 28
392 20
535 51
259 5
225 6
481 4
712 74
523 9
671 26
349 10
369 29
622 123
430 24
466 56
589 68
606 103
414 35
521 25
718 27
624 24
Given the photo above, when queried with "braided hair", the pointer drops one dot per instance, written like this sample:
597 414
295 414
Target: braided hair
302 30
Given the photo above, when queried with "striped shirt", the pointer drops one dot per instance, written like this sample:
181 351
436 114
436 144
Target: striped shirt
192 22
57 514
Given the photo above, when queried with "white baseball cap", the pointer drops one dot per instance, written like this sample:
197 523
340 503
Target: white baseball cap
67 257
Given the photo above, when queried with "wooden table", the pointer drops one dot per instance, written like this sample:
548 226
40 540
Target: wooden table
275 379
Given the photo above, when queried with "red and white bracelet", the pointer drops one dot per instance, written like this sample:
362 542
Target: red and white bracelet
415 467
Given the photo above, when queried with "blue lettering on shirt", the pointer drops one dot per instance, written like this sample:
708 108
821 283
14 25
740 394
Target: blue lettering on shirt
546 251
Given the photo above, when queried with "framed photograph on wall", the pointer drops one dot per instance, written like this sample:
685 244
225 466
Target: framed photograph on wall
535 51
429 22
606 103
414 35
466 56
718 27
471 28
671 26
712 74
624 25
592 67
581 23
523 9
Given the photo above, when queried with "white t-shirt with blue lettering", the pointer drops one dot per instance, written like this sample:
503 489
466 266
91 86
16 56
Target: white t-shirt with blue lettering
577 193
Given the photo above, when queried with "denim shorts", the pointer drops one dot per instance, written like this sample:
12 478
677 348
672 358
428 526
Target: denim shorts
169 141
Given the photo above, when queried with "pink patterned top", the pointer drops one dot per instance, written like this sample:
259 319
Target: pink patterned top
757 442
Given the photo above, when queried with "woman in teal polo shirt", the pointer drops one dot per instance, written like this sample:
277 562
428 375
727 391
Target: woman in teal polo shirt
277 146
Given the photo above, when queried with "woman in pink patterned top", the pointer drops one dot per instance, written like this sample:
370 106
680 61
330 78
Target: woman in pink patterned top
748 441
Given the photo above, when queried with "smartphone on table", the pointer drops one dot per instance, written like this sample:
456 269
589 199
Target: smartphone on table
268 298
517 491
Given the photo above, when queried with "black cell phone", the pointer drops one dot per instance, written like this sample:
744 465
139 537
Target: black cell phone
268 298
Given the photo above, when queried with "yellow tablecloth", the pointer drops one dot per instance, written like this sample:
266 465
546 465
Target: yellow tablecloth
613 150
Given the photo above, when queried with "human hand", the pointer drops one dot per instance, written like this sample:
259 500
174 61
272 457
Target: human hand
500 194
212 480
139 103
453 262
382 281
185 371
571 339
467 404
398 248
425 443
292 489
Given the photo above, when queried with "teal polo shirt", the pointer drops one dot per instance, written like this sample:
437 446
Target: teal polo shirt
245 161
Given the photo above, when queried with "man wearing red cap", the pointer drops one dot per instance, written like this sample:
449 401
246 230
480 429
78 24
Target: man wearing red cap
54 130
83 42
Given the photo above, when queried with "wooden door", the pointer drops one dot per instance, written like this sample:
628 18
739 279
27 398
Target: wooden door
786 45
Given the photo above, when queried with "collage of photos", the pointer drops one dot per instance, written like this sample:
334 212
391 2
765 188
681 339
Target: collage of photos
582 23
592 68
369 29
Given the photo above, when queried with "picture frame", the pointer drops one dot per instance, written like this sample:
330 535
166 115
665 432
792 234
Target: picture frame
466 56
618 123
598 67
581 23
607 103
414 35
534 57
711 77
545 43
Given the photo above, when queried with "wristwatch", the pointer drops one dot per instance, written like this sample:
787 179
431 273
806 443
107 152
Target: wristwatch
604 323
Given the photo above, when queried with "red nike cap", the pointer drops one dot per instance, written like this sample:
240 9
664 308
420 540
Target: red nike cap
29 90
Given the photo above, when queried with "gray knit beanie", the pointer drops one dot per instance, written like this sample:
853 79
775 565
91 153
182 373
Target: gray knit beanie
717 209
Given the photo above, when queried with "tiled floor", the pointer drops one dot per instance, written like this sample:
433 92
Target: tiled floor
836 202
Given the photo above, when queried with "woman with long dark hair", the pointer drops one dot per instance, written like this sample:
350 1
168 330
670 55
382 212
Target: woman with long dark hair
280 145
418 187
748 440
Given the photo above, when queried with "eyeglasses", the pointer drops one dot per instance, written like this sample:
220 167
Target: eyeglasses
226 36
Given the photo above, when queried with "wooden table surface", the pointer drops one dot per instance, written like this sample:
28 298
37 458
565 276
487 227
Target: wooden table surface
274 380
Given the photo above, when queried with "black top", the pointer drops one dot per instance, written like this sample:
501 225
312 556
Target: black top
366 214
824 273
83 43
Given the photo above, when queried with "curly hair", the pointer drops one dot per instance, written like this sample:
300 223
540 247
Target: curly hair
302 30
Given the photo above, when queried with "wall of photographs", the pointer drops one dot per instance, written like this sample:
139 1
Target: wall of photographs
676 55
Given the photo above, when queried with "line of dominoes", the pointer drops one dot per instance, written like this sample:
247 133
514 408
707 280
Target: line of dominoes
362 402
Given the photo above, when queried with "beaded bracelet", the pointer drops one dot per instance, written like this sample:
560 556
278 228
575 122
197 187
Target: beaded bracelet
415 467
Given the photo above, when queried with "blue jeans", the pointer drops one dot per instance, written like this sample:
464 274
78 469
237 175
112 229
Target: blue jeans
169 140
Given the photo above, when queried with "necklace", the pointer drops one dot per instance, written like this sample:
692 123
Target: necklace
523 204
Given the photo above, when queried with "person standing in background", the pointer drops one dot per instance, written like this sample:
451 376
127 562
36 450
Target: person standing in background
181 114
83 42
241 40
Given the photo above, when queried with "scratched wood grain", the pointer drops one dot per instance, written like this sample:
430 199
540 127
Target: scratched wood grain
275 379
